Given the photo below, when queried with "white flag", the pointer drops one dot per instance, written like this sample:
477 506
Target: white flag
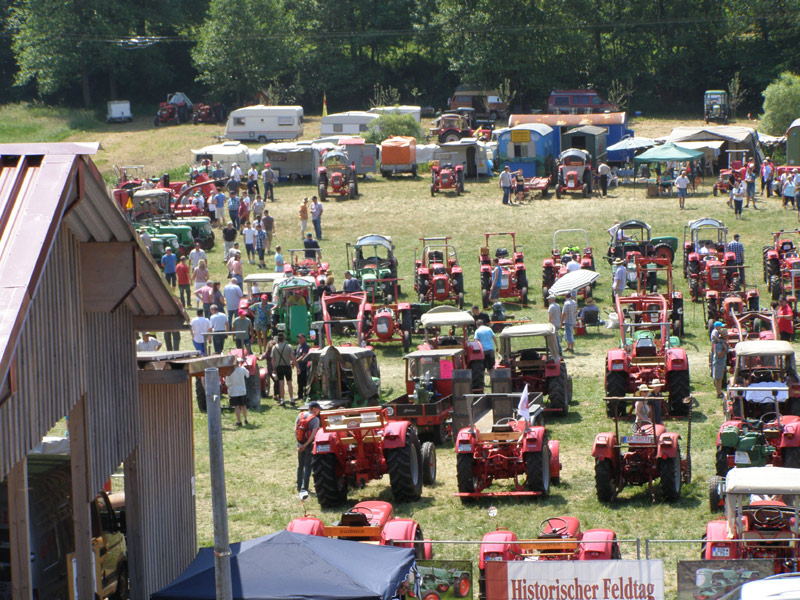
523 408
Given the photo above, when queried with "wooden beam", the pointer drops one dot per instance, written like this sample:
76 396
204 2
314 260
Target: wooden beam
19 531
170 376
158 323
79 465
134 522
109 273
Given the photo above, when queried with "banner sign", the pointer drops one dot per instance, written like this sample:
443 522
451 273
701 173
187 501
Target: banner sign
712 579
575 580
444 579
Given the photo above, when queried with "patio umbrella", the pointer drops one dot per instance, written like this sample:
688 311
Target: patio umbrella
632 143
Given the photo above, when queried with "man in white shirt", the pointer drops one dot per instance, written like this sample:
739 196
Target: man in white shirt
200 326
620 277
232 294
197 255
198 202
148 343
603 170
506 181
682 184
249 235
146 240
573 264
236 173
237 392
219 324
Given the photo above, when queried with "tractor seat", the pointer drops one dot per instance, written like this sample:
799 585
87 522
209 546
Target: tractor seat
501 253
787 246
441 270
447 340
644 347
354 519
648 430
502 428
435 256
529 354
484 253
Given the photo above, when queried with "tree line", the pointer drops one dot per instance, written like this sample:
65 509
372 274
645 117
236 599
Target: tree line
650 55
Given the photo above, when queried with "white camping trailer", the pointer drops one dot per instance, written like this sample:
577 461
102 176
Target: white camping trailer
264 123
119 111
351 123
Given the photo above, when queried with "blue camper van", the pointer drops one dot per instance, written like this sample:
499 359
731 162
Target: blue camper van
530 147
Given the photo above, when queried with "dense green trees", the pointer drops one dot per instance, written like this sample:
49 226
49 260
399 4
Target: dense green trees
667 51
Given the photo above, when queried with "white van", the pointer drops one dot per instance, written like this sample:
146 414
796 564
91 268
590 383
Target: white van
352 122
265 123
405 109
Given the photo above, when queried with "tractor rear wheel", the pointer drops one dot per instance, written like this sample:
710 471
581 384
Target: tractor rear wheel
460 300
773 269
585 190
433 190
678 382
791 458
351 190
478 383
616 387
694 267
428 463
714 497
485 298
331 489
721 461
463 586
694 289
403 464
775 287
537 469
664 251
671 479
715 189
558 192
603 483
522 279
558 391
200 393
458 189
464 476
322 191
524 296
458 283
406 320
439 434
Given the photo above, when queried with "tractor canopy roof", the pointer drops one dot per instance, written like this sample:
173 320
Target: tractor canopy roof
574 281
447 316
707 223
335 157
157 193
268 278
576 153
634 224
288 283
764 348
434 353
763 481
375 239
528 330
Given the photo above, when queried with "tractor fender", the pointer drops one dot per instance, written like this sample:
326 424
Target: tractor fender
586 263
677 360
399 529
474 351
667 445
717 541
519 267
403 306
772 254
394 435
548 262
486 269
464 439
533 439
367 308
604 445
552 368
694 257
617 356
555 464
423 272
790 437
456 269
735 423
322 170
330 438
596 544
307 525
712 295
500 542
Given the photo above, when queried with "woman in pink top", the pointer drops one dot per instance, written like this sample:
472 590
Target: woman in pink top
200 274
206 295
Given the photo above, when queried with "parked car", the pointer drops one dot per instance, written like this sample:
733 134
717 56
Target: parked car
578 102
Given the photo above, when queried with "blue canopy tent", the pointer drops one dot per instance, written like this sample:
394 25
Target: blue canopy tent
288 565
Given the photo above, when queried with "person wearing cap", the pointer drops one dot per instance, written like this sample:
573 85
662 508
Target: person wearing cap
312 248
682 184
305 448
590 313
268 225
620 278
237 392
554 316
569 314
236 172
283 361
148 343
737 248
350 283
268 177
302 215
252 181
242 328
646 413
719 356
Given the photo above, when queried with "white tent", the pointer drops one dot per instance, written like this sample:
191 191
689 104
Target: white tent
733 138
225 153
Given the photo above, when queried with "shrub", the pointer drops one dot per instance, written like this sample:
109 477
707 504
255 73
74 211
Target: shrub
781 103
392 124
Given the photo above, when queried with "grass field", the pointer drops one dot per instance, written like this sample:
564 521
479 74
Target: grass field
260 459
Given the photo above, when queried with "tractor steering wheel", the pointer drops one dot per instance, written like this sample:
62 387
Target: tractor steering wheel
642 424
555 528
364 510
768 516
764 420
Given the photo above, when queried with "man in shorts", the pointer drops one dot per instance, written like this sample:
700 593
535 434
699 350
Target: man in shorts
237 392
241 331
283 359
497 279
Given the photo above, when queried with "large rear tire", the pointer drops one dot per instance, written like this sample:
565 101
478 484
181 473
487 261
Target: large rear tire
485 298
478 382
664 250
671 479
406 341
721 461
603 480
428 463
714 497
524 296
405 474
537 470
351 191
331 489
558 391
775 287
464 476
616 387
679 389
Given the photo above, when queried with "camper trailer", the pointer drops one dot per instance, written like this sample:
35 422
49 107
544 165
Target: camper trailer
264 123
353 122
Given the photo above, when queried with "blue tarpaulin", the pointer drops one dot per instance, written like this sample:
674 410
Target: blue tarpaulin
288 565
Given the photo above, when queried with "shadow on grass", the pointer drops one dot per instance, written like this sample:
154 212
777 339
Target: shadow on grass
641 498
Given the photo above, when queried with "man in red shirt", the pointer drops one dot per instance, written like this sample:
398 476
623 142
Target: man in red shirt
785 320
184 283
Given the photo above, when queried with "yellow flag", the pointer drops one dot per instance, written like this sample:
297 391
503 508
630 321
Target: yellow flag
324 105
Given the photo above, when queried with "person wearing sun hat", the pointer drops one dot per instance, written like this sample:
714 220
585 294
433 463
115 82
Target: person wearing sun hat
590 313
620 277
719 356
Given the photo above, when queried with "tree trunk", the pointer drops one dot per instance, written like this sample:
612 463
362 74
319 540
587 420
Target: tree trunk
87 92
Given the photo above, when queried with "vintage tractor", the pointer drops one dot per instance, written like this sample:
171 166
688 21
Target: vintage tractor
389 322
300 264
503 447
343 377
437 580
446 177
428 401
450 128
558 538
182 231
372 522
634 236
761 518
556 266
438 276
655 271
733 309
373 259
531 353
208 113
514 277
574 173
295 307
647 354
334 171
697 235
736 168
446 327
651 453
357 445
782 265
255 384
177 109
343 313
715 106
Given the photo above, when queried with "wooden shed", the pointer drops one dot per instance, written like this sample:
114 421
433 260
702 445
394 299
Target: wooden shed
76 284
589 138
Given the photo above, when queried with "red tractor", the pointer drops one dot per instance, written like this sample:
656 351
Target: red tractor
451 128
649 454
782 265
300 265
256 384
736 168
574 173
341 310
354 446
506 448
647 354
177 109
437 275
372 522
559 538
707 263
446 177
514 277
389 322
208 113
555 267
649 272
336 173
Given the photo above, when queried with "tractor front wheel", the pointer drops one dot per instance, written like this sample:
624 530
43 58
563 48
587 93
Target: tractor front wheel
428 463
585 190
603 482
558 192
775 287
458 189
485 298
678 391
671 479
714 497
465 476
524 296
460 300
406 341
322 191
616 387
537 470
351 191
433 190
463 587
331 489
403 465
715 189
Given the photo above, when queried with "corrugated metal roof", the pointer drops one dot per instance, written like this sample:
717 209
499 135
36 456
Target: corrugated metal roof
41 186
600 119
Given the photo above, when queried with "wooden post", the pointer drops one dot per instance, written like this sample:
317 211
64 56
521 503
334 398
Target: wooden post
19 531
79 464
134 523
502 407
462 384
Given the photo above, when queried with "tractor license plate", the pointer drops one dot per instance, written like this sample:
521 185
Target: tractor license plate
638 439
571 184
465 447
722 552
741 458
323 447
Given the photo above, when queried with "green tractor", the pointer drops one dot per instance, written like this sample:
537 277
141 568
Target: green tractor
160 242
183 233
201 230
374 265
295 307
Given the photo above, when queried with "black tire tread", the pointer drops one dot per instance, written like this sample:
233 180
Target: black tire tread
398 463
331 490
